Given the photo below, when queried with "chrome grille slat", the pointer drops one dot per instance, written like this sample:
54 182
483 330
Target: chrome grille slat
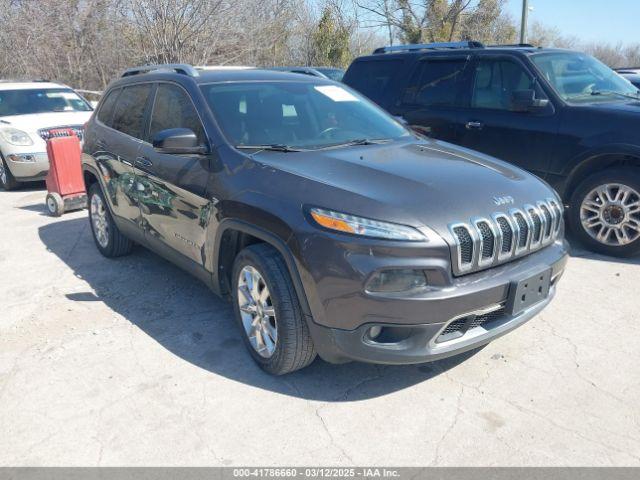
485 242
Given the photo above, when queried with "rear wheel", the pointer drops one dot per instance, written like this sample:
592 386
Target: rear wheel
605 212
109 240
268 311
7 181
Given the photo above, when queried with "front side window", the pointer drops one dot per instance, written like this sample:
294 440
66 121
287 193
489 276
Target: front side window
578 77
495 82
173 109
297 114
435 83
129 112
45 100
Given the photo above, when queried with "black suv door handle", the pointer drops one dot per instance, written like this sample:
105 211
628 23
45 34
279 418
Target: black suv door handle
143 162
474 125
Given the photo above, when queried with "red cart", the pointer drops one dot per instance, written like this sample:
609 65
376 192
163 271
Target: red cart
65 181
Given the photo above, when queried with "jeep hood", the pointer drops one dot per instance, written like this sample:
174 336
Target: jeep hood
429 183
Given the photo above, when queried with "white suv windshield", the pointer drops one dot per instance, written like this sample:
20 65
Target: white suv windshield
578 77
46 100
297 114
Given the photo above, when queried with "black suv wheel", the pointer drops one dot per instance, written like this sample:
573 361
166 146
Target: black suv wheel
109 240
605 212
268 311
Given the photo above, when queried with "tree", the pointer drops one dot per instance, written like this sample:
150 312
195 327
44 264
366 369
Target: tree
331 40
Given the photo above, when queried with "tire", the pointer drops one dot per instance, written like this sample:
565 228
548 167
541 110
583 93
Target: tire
619 215
110 241
7 180
293 347
55 204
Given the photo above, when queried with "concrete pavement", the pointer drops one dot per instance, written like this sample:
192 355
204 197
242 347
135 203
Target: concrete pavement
133 362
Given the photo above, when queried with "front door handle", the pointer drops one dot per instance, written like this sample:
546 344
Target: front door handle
143 162
474 125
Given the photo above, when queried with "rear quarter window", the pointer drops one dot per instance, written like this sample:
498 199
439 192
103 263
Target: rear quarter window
130 109
374 78
105 111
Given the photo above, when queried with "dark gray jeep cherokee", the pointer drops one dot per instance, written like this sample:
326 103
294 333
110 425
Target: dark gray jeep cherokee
331 227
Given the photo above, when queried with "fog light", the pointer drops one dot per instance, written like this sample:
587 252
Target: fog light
394 281
23 158
374 332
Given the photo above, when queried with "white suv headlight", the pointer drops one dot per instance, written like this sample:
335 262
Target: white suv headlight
16 137
342 222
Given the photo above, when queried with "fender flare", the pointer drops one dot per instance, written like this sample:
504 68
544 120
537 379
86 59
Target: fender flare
267 237
584 160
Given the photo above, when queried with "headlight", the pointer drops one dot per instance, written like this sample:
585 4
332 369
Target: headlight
342 222
16 137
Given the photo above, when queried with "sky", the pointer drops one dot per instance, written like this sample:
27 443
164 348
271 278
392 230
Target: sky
609 21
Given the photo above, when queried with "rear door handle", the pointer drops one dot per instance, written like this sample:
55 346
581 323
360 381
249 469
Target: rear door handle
143 162
474 125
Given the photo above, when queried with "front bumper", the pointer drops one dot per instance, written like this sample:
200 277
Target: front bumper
27 165
417 322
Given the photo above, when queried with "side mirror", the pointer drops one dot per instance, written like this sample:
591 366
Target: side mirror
526 101
179 141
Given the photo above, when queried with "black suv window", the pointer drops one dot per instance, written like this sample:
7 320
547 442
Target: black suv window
496 80
434 83
173 108
129 113
105 114
372 78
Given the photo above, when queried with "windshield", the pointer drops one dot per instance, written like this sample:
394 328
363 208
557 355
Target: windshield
577 77
29 101
297 114
333 73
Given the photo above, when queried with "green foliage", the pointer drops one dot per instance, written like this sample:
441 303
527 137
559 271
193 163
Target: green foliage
330 40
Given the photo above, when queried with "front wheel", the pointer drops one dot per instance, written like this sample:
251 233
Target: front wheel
604 212
268 311
7 181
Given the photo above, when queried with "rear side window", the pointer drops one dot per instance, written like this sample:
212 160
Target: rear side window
105 114
129 111
173 108
435 83
373 78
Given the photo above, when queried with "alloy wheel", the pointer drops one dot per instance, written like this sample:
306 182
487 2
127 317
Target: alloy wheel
99 221
257 311
610 214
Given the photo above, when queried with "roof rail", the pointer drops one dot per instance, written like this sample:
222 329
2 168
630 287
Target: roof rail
181 68
428 46
514 45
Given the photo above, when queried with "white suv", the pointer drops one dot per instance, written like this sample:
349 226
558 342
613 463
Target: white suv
28 112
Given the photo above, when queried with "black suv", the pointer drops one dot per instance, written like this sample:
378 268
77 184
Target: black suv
331 226
562 115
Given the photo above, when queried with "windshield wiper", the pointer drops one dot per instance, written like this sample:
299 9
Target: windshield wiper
357 141
276 147
613 92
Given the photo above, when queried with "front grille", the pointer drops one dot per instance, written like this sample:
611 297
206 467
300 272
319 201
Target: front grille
507 235
466 244
524 230
488 239
548 220
485 242
460 326
62 131
537 225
